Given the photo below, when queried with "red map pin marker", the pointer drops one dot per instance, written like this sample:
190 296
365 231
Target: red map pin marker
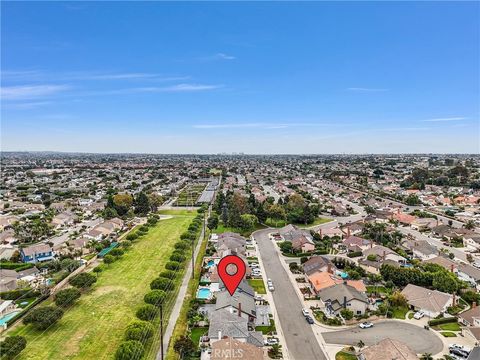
231 281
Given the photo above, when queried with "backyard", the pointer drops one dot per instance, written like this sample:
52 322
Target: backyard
257 285
94 327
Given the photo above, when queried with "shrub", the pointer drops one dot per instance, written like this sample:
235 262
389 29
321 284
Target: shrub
98 269
15 294
177 257
139 331
130 350
161 284
143 228
67 296
441 321
132 236
12 346
117 252
346 314
108 259
181 245
354 254
146 312
155 297
43 317
172 265
168 274
83 280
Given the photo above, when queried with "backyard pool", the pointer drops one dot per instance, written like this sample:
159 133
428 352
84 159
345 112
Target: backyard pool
342 274
210 263
4 319
204 293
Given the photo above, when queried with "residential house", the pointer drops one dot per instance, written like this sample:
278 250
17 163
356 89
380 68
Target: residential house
343 296
223 324
355 243
322 280
388 349
37 253
421 249
303 244
8 280
470 317
6 306
317 264
431 302
229 348
63 219
240 304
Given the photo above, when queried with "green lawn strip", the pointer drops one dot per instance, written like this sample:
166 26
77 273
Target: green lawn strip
257 285
449 327
181 325
178 212
94 327
342 355
282 223
372 289
448 334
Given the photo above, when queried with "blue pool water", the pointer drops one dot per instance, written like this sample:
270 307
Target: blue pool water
343 275
210 263
3 320
203 293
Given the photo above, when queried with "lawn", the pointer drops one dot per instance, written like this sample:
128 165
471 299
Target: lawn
448 334
257 285
197 333
182 212
399 312
94 327
221 229
282 223
266 330
450 327
372 289
342 355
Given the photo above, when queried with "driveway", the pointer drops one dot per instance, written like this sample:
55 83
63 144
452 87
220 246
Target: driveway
301 341
417 338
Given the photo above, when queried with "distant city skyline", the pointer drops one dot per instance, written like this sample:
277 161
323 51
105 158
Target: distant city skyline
257 78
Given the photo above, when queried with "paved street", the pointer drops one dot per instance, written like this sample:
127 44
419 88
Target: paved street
301 342
419 339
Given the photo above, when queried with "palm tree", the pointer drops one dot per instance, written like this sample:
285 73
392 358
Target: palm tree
469 225
426 356
360 344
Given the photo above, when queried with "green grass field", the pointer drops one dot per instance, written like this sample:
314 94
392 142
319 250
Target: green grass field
178 212
399 312
282 223
257 285
450 327
94 327
342 355
448 334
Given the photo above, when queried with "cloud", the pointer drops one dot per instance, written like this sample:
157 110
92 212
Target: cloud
223 56
362 89
189 87
30 91
27 105
456 118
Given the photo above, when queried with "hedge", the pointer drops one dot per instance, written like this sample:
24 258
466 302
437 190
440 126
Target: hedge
354 254
15 266
441 321
15 294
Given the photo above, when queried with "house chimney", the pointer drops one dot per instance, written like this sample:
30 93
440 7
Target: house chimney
329 268
384 255
345 302
371 244
219 334
239 310
398 211
474 305
454 300
348 231
317 282
320 233
451 267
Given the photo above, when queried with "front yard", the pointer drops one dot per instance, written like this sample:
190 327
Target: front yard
257 285
94 327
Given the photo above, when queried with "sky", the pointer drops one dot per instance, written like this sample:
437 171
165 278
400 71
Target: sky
264 77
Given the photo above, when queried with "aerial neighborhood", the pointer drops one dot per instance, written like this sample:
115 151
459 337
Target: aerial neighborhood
362 257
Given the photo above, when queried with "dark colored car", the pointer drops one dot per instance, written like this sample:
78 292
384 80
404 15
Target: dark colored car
309 320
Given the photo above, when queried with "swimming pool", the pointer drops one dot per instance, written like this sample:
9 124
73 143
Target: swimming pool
204 293
210 263
3 320
342 274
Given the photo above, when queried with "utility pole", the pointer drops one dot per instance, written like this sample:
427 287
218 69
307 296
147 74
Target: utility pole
161 329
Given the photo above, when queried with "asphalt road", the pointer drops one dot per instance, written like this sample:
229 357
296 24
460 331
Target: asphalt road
417 338
301 342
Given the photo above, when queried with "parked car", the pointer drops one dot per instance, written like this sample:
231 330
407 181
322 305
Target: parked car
305 312
271 288
477 264
461 353
309 320
459 347
271 341
418 315
365 325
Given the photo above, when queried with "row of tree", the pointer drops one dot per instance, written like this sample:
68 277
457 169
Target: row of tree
127 205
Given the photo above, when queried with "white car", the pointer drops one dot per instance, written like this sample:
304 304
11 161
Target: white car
305 312
418 315
365 325
271 341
